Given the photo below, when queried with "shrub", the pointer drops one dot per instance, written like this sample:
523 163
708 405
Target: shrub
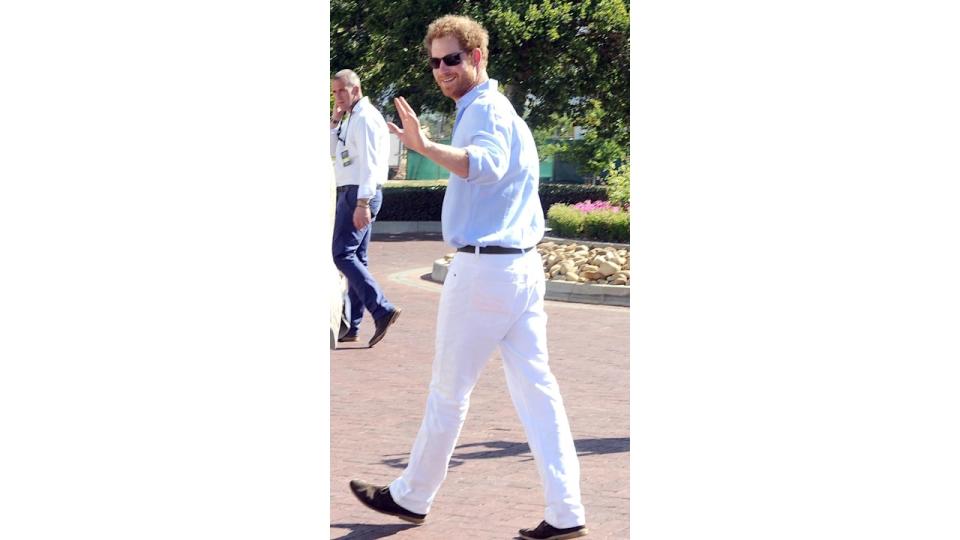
565 220
595 206
618 182
606 224
407 202
551 194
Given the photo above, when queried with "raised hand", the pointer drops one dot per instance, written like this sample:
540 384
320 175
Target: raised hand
410 135
337 115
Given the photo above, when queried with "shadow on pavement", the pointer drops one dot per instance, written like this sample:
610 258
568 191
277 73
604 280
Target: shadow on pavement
358 346
365 530
502 449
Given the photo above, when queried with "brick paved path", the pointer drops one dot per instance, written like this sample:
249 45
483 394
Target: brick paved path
492 489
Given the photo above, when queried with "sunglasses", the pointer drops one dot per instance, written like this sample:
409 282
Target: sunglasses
451 60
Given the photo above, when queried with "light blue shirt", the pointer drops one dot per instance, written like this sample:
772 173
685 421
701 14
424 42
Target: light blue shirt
498 203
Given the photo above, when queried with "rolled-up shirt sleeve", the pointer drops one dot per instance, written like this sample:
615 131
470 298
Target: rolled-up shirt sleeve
333 142
488 154
374 156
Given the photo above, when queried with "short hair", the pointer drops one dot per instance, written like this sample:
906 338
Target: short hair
470 33
348 77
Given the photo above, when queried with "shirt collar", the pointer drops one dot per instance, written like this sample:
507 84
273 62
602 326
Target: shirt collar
359 106
467 99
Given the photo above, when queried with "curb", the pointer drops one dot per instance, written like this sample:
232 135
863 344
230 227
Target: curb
404 227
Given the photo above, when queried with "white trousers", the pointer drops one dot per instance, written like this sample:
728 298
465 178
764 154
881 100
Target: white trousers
491 301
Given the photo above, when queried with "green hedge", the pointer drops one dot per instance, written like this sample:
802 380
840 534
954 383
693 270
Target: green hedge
551 194
566 221
604 226
411 203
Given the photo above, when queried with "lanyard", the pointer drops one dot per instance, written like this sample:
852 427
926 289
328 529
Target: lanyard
349 119
345 130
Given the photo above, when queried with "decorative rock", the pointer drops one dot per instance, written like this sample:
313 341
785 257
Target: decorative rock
607 268
578 263
591 275
576 271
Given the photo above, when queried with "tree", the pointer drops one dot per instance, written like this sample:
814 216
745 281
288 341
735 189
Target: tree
560 63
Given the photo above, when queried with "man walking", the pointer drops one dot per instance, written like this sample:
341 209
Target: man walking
359 146
493 293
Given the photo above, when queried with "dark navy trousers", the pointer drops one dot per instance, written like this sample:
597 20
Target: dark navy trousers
350 257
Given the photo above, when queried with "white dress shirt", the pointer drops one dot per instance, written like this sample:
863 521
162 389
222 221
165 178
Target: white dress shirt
363 135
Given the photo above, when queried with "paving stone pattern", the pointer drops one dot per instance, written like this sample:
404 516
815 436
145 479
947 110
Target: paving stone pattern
492 488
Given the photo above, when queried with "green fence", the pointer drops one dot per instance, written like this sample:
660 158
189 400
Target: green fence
421 168
558 171
551 170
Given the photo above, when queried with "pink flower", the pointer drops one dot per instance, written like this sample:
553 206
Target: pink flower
588 206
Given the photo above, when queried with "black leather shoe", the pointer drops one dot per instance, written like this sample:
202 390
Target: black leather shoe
382 324
546 531
378 498
348 339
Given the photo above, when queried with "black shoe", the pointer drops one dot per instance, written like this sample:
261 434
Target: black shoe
348 339
546 531
382 324
378 498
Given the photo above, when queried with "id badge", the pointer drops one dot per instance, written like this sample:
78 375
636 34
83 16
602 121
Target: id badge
345 158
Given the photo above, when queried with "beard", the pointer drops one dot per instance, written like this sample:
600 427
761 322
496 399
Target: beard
464 82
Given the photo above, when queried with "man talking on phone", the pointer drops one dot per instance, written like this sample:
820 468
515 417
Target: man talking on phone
360 148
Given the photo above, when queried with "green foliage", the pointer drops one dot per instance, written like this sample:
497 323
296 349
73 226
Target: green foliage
416 183
618 182
551 194
412 203
605 226
561 63
606 141
565 220
406 202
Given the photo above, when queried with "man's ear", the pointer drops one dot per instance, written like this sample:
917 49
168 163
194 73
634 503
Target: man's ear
477 55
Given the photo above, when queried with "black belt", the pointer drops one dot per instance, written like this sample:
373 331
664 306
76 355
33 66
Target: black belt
341 189
494 250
